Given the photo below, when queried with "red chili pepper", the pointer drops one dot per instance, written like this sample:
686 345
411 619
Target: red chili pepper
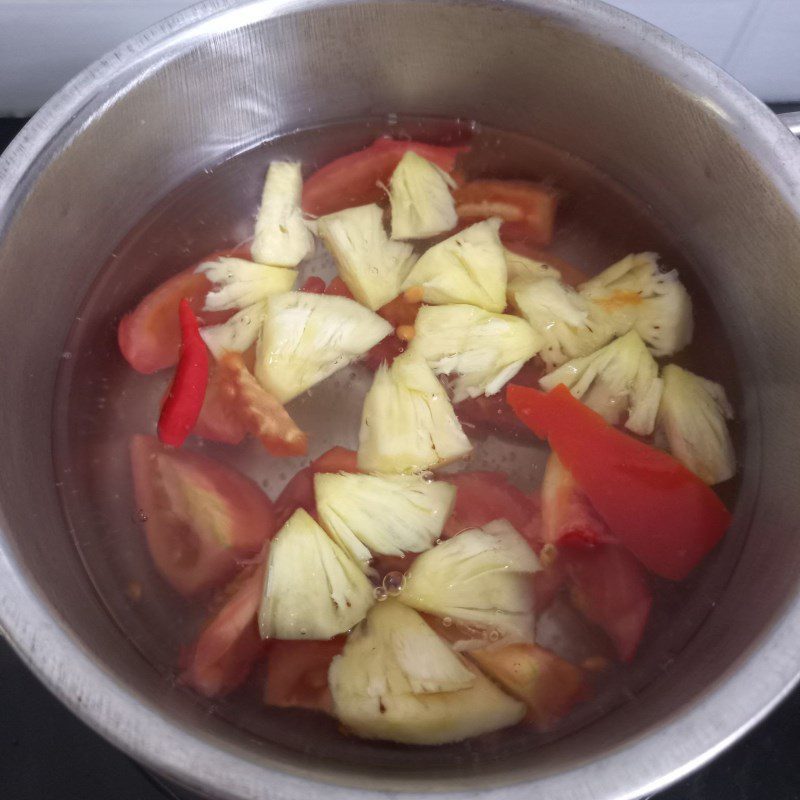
663 513
188 390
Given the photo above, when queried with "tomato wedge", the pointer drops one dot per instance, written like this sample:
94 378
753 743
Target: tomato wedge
202 517
338 288
313 285
485 496
549 685
261 414
337 459
484 415
663 513
149 337
609 587
567 514
218 420
229 644
298 493
529 210
355 179
297 673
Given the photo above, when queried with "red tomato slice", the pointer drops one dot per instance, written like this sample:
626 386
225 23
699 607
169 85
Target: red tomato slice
354 179
549 685
663 513
218 421
297 673
567 514
485 496
386 350
313 285
260 413
149 337
338 288
202 516
337 459
298 493
529 210
547 585
484 415
229 644
609 587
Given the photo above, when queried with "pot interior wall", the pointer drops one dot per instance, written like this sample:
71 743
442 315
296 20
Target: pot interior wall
243 79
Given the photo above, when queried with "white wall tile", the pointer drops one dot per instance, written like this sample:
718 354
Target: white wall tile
43 43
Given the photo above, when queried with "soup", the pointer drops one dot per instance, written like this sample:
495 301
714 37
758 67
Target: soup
379 500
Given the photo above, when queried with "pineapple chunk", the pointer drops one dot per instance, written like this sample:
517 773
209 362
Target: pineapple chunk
469 267
282 237
481 578
372 266
386 514
240 283
484 349
312 589
691 424
622 376
408 423
307 337
523 267
238 333
397 680
422 205
635 294
567 322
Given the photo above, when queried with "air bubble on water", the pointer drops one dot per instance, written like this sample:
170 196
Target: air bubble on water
437 541
494 636
447 621
392 119
66 355
303 632
394 583
380 593
139 515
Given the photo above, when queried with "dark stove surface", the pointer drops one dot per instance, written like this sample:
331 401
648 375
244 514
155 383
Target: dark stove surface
48 754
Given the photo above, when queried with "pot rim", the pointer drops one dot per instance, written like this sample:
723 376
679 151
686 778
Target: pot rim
134 723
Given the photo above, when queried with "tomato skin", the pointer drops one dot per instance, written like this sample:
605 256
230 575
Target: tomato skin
659 510
229 645
298 493
190 562
400 311
482 497
297 673
529 210
353 180
609 587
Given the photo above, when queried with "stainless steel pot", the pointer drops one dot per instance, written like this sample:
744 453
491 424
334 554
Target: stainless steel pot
713 162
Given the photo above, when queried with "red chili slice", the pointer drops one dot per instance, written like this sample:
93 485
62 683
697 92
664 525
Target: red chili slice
186 394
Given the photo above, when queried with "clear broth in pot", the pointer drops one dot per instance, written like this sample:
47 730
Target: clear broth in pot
101 402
